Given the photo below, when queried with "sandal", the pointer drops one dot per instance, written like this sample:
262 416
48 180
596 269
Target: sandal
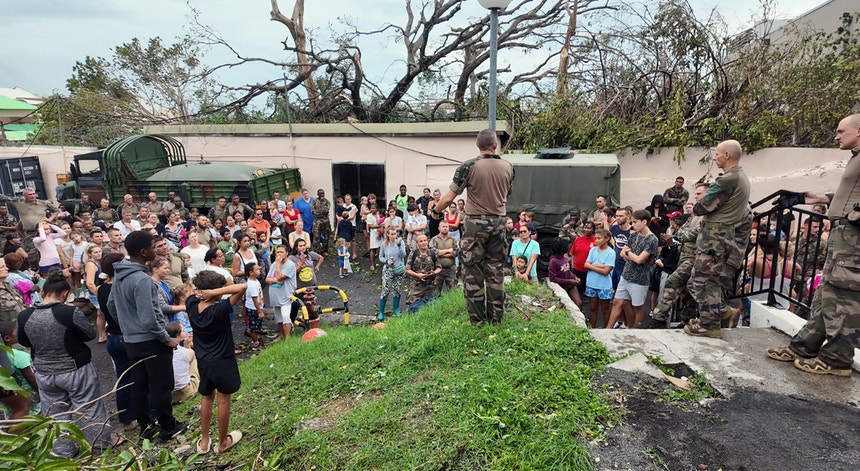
200 449
255 346
234 437
780 353
817 366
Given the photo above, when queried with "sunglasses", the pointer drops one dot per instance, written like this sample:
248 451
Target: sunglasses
524 231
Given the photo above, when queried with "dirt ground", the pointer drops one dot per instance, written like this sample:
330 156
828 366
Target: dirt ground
752 431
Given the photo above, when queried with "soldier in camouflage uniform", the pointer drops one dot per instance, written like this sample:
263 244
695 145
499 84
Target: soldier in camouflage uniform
836 303
105 213
422 265
11 302
719 255
8 223
571 227
447 251
321 231
31 214
676 283
488 179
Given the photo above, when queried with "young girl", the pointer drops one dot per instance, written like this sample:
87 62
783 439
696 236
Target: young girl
180 294
342 255
598 282
254 305
561 271
78 249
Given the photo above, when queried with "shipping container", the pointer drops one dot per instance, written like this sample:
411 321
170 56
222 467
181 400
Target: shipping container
16 174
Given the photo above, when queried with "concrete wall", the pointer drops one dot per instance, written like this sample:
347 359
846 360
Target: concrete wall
53 160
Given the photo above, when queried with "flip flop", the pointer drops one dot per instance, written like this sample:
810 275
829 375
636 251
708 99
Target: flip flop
234 437
200 449
118 440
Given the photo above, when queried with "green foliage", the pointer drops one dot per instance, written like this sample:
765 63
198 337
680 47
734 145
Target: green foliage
429 391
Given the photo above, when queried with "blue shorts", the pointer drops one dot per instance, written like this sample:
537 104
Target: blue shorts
598 293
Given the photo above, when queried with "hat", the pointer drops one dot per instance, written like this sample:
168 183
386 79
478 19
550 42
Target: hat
673 214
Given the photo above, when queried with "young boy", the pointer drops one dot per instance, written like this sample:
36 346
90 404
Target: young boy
640 253
254 305
21 370
345 230
522 266
186 376
214 348
598 282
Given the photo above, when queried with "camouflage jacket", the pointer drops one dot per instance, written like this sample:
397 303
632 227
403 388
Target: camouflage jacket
423 263
571 230
11 302
688 233
321 208
8 221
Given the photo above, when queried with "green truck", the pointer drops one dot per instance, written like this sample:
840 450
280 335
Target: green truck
554 181
138 165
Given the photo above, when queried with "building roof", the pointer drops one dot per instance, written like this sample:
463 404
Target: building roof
7 103
328 129
19 131
21 95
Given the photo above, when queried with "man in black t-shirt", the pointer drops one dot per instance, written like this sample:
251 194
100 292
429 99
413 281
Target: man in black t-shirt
209 316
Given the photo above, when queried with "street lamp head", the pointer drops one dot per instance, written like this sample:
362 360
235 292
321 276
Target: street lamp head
494 4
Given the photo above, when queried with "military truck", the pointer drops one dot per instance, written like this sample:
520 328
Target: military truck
138 165
554 181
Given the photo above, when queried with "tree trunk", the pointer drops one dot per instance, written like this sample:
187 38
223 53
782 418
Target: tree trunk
564 61
296 26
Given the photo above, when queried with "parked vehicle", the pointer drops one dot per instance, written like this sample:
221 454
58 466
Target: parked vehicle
142 164
554 181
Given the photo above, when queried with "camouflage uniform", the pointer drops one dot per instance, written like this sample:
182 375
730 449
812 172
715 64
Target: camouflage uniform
483 241
676 283
836 303
446 280
570 230
422 263
30 214
675 198
11 302
8 221
109 216
719 251
321 231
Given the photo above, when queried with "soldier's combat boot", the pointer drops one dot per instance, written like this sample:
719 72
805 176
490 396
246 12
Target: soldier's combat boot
396 306
381 315
697 330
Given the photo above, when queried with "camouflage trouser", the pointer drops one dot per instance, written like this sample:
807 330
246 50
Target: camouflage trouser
446 280
675 290
483 256
836 304
420 289
712 274
320 235
33 255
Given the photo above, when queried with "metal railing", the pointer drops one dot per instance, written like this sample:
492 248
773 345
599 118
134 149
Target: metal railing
782 265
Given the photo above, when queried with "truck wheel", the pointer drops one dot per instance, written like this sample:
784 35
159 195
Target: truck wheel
545 242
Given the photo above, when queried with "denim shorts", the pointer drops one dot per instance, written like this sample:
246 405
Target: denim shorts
605 294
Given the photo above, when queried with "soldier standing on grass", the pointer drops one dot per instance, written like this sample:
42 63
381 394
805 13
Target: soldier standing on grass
719 255
321 231
836 303
488 179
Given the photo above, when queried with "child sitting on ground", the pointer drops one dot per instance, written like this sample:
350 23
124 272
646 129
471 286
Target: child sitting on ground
22 371
522 266
254 305
214 348
186 377
342 256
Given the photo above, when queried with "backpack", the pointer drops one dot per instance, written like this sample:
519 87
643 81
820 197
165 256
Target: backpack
415 251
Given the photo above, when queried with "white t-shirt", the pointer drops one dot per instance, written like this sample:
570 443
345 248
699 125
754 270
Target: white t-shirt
253 290
197 257
353 211
125 230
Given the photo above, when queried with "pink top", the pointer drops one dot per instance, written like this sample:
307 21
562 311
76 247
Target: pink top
47 248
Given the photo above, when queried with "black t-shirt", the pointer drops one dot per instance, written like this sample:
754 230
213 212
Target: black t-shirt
213 337
102 293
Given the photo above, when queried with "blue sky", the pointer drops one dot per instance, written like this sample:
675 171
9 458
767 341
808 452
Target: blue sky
45 38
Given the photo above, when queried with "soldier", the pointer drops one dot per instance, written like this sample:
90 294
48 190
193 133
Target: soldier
86 205
488 180
321 231
676 283
598 215
153 205
836 303
676 196
8 223
423 265
726 211
11 302
31 213
571 226
105 213
220 211
129 204
446 251
237 206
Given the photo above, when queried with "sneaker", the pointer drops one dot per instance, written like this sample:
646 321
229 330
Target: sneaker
781 353
618 325
178 429
696 330
816 366
151 432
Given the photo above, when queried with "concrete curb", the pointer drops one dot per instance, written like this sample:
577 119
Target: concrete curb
576 315
784 321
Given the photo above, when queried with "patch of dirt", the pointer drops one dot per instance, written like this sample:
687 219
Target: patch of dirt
344 404
752 430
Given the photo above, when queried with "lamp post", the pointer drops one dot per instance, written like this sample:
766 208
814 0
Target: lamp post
494 6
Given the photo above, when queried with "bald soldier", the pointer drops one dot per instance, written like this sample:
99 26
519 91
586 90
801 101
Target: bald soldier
835 314
719 247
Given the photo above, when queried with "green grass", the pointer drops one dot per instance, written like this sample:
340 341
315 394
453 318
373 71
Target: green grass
430 391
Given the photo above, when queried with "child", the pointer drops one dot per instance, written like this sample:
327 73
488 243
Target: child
598 282
509 238
79 247
522 266
633 287
342 255
561 271
186 258
345 230
254 305
180 295
186 377
214 348
21 371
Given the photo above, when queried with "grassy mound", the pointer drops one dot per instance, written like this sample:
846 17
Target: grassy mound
427 392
